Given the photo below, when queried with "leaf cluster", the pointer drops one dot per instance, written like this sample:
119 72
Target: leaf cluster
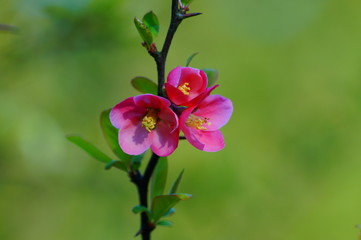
162 205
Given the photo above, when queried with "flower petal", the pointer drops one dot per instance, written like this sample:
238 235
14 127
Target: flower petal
195 101
126 113
151 101
164 141
174 76
191 137
134 139
175 95
196 78
217 108
208 141
187 130
168 117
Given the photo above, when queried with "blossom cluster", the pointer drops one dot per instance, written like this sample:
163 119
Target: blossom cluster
150 121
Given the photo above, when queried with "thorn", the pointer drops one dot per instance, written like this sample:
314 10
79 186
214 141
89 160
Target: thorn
188 15
138 233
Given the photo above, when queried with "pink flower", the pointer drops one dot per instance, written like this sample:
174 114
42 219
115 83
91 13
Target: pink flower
146 121
201 124
185 84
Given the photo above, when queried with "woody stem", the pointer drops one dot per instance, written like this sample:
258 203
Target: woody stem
161 57
142 182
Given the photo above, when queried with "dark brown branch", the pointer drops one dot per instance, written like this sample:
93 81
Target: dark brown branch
142 182
161 57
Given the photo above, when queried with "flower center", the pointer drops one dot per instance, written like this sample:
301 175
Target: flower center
197 122
150 120
184 88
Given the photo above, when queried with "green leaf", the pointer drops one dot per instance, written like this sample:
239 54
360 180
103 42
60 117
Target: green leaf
111 136
89 148
144 85
169 213
136 161
212 76
159 177
165 223
118 164
189 60
150 20
161 204
186 2
140 209
144 31
175 185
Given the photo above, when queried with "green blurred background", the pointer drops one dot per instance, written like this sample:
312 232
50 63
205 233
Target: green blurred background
291 167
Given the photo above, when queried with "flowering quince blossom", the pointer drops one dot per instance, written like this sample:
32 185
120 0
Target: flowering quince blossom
200 124
146 121
185 85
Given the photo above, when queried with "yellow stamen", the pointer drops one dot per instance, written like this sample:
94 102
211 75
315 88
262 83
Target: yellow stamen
149 122
197 122
184 88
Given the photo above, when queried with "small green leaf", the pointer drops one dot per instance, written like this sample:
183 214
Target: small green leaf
144 31
176 183
136 161
150 20
118 164
186 2
212 76
111 136
89 148
140 209
144 85
161 204
159 177
165 223
169 213
189 60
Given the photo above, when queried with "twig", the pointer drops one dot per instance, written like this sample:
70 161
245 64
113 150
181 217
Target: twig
161 57
142 182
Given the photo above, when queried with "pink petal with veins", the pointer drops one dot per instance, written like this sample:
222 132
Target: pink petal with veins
217 108
151 101
213 141
164 141
126 113
174 76
134 139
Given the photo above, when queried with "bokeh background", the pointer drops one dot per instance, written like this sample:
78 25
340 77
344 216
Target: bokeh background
291 167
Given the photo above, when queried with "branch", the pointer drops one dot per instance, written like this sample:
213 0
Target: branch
161 57
142 182
150 168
